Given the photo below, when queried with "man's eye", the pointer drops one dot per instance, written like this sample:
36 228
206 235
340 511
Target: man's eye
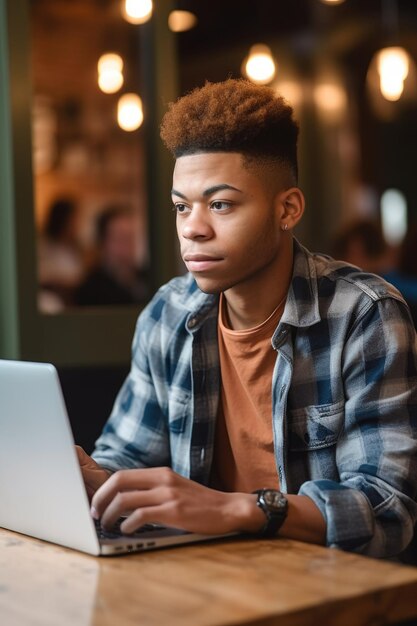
219 205
179 208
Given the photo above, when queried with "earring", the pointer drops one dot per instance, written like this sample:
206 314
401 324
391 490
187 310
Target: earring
284 227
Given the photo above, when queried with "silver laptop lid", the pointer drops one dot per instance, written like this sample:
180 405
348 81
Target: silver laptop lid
42 492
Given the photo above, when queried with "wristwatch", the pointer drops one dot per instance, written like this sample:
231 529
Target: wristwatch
275 506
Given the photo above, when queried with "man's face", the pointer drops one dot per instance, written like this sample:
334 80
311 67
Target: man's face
227 220
119 246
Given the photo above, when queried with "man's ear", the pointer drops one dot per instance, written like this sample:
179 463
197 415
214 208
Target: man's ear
290 205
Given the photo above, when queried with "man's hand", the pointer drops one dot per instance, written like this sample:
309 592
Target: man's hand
94 475
161 496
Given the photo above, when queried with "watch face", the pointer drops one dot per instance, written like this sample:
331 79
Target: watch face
275 506
274 499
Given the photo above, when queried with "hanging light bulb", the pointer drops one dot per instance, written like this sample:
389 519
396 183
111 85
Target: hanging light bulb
137 11
394 216
129 112
180 21
330 98
110 76
259 66
393 67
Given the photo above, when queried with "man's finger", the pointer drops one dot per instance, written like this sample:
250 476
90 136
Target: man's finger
139 517
128 501
81 453
130 480
85 460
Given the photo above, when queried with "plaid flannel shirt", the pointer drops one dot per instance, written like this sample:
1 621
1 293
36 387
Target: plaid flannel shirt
344 398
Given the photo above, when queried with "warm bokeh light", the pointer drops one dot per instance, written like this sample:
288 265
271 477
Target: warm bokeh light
137 11
44 134
110 60
394 216
260 66
110 76
291 91
330 97
332 1
129 112
393 67
180 21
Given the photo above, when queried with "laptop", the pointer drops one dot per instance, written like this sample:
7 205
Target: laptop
42 492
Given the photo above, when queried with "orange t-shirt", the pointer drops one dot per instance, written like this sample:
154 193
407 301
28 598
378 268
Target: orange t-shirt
244 450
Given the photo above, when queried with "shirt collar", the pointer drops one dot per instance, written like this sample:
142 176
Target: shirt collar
302 306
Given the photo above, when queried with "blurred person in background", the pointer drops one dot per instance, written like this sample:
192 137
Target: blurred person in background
362 243
60 257
115 278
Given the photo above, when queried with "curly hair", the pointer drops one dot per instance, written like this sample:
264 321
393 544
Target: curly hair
233 116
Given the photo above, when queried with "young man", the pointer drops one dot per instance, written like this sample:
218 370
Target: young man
265 367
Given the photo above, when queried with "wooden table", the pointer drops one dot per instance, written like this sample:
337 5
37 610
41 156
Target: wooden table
236 581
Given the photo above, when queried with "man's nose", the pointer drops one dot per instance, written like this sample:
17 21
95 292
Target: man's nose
197 225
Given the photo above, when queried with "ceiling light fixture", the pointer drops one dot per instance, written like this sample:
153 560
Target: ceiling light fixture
393 66
130 112
260 66
180 21
137 11
330 98
110 75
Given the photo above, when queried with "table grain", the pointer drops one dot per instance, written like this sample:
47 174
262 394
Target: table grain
260 582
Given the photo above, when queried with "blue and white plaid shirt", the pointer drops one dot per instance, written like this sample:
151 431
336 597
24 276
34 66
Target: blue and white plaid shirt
344 398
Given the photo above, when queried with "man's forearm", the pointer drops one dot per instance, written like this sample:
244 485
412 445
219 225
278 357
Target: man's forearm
160 495
304 521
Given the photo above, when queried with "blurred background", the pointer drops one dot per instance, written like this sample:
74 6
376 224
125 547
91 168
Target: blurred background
347 67
87 233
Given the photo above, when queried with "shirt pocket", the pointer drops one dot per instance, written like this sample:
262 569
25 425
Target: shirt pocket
178 411
315 427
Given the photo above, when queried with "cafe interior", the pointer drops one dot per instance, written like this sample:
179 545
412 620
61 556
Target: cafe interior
85 180
84 86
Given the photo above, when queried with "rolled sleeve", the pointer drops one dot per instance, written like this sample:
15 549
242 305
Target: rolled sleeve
354 524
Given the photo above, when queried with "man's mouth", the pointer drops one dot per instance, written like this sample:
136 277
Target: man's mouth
200 262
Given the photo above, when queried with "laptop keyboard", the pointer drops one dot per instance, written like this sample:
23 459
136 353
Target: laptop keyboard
116 532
